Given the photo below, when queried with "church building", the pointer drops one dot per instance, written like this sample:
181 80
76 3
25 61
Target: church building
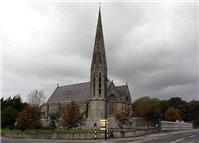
98 98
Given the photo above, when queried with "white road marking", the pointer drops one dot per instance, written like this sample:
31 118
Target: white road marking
177 140
145 140
192 136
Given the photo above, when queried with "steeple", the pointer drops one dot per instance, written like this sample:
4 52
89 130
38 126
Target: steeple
98 76
99 54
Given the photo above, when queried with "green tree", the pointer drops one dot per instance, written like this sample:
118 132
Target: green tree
71 116
163 106
15 102
29 117
8 117
176 102
172 114
190 112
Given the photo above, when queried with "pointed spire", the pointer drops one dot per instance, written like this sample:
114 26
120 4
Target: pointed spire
99 30
99 55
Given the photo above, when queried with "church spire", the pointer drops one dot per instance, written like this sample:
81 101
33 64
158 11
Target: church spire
99 55
99 66
98 77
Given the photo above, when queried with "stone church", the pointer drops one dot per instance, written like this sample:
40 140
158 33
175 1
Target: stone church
99 98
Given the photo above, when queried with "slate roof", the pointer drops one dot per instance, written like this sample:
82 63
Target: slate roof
74 92
78 92
123 89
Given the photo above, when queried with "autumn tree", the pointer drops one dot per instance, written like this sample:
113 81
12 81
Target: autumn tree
29 117
36 97
147 108
172 114
122 116
71 117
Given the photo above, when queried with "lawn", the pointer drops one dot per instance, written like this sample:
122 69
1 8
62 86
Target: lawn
47 131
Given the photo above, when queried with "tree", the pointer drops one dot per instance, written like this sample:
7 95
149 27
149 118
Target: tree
29 117
71 116
172 114
193 111
122 116
36 97
10 107
15 102
8 117
147 108
163 108
190 113
176 102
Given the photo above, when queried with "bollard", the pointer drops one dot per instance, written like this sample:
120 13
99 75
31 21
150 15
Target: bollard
95 128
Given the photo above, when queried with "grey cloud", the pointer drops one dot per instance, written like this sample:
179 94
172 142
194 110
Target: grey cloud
152 46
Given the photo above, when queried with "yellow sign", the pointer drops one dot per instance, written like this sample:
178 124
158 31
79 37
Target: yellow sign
103 124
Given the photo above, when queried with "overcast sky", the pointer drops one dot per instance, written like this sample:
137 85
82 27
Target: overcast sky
151 46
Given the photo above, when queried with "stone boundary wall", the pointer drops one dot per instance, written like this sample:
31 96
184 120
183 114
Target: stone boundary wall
135 133
172 126
78 136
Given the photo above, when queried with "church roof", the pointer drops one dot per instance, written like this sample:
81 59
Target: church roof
74 92
122 89
79 92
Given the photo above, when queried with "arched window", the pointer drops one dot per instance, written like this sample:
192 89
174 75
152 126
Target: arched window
100 60
112 104
100 81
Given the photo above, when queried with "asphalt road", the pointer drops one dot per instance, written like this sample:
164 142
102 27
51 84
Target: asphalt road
191 136
187 137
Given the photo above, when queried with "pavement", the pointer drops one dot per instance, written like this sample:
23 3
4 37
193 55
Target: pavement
188 136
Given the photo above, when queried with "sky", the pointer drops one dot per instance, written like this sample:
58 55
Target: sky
153 46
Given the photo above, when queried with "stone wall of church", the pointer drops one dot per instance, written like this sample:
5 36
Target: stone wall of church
55 108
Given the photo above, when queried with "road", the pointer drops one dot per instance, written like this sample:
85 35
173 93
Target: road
185 137
191 136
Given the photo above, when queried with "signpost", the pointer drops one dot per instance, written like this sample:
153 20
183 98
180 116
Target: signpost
104 127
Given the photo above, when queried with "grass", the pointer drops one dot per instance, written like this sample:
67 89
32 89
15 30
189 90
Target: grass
47 131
